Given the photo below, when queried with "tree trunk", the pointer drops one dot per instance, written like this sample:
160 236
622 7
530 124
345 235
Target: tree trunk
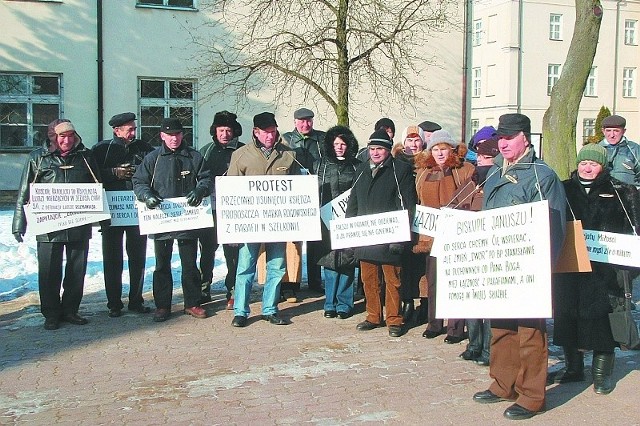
559 122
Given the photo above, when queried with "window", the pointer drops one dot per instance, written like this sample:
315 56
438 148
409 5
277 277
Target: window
591 88
167 3
475 125
553 74
491 81
28 103
492 29
166 98
630 32
588 129
477 82
629 82
477 32
555 26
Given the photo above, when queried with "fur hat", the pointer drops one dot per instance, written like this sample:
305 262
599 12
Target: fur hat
346 135
380 138
593 152
441 136
59 126
488 148
264 120
226 119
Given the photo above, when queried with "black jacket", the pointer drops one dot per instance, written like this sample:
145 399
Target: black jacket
45 166
115 152
308 148
581 300
379 194
217 157
170 174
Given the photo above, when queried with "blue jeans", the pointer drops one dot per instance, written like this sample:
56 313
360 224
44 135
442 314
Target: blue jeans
276 268
338 290
479 336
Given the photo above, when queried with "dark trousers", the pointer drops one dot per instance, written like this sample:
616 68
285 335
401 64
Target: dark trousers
231 259
455 327
479 336
413 266
314 273
112 254
208 243
163 280
518 367
50 256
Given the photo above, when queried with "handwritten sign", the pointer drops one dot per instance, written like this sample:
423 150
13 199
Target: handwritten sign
174 214
43 223
66 197
425 221
371 229
336 208
279 208
495 264
609 247
122 206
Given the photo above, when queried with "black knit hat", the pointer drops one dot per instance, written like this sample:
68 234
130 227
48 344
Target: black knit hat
385 123
380 138
226 119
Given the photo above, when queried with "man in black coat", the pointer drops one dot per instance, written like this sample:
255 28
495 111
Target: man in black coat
174 170
118 159
225 131
383 184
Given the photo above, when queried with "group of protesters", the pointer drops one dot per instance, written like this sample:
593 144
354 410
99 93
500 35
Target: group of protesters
427 167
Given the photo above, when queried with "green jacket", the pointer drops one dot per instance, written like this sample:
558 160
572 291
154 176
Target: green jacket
624 160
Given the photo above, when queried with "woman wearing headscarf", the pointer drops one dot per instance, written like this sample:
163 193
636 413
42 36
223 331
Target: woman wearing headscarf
441 174
582 300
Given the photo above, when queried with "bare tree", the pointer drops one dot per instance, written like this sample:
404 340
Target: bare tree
325 50
559 122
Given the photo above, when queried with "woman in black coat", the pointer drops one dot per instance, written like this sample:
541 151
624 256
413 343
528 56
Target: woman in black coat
336 172
582 300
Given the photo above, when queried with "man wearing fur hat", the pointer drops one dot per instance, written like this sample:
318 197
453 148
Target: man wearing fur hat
63 159
118 159
623 155
225 131
519 348
307 142
266 154
383 184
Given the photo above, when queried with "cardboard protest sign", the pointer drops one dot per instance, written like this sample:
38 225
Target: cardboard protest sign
336 208
263 209
495 264
371 229
65 197
122 207
609 247
43 223
425 221
174 214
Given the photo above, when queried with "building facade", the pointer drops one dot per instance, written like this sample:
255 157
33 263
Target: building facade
88 60
519 48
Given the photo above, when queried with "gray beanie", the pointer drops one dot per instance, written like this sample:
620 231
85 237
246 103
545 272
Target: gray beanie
441 136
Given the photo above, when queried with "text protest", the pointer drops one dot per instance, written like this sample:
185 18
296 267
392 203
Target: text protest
66 197
372 229
609 247
425 221
174 214
122 206
43 223
495 264
268 209
335 209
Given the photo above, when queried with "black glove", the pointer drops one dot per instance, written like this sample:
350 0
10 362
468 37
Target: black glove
396 249
18 236
194 198
124 171
153 201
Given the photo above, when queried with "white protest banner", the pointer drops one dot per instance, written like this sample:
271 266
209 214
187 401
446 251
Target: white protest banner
267 209
609 247
174 214
66 197
445 214
495 264
336 208
425 220
43 223
122 206
371 229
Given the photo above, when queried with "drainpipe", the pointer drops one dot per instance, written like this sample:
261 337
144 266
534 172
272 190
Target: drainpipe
100 61
615 59
466 66
520 38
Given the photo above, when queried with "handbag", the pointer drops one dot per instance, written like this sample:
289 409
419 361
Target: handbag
623 326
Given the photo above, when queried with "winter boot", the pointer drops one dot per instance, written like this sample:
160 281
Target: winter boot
421 317
205 292
602 368
407 311
574 367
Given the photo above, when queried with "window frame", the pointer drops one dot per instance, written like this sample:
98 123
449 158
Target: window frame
631 32
477 32
555 27
629 82
476 84
591 86
166 5
30 99
588 129
552 79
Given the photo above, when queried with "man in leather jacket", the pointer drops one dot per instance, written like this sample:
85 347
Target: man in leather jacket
62 159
